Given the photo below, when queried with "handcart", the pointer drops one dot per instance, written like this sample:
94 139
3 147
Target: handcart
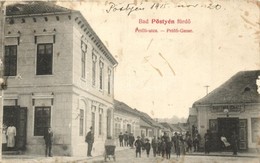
110 152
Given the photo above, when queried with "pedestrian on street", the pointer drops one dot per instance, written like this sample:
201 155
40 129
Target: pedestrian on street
131 140
168 148
126 138
163 147
207 138
174 139
121 137
159 146
90 141
182 144
189 143
138 146
48 137
154 145
178 149
147 146
234 142
196 141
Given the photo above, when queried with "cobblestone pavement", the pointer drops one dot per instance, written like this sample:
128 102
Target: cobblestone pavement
128 156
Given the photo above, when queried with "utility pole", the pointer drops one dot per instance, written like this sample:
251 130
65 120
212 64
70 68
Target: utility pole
2 36
207 89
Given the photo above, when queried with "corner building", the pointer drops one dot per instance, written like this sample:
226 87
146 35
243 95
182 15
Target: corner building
234 106
59 74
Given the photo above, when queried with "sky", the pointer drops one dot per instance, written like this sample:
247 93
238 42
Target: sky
164 73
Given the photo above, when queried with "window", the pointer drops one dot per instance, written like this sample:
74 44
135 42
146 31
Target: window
109 82
117 129
42 120
255 125
83 59
101 65
81 122
10 60
100 124
94 60
93 121
44 59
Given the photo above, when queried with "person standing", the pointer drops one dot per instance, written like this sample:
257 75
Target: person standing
163 147
90 141
189 143
131 140
11 134
207 138
159 146
178 143
4 140
147 147
196 141
168 148
154 145
48 137
234 142
138 146
174 139
121 137
126 138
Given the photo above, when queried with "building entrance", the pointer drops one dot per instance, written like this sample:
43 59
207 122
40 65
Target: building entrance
226 126
16 116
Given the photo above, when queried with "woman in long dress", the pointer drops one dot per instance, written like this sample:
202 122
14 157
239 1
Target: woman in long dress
11 133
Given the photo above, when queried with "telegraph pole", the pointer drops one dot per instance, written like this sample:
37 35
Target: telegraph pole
207 89
2 36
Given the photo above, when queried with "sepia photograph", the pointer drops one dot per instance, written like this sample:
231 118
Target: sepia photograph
135 81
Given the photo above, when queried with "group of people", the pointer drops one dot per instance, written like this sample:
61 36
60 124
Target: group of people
161 146
126 139
164 145
8 137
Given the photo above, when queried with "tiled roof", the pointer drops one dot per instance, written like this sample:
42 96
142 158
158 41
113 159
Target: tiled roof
34 7
167 125
144 124
241 88
120 106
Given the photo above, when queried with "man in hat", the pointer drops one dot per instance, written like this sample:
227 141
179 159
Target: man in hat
90 141
138 145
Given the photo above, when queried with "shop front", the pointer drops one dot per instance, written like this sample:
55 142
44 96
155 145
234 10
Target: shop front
234 107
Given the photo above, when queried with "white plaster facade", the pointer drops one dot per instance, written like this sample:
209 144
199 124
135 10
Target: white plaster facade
65 91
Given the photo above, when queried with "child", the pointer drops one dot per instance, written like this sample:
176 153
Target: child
138 146
163 147
147 147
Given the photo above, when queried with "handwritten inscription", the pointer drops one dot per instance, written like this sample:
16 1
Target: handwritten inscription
130 8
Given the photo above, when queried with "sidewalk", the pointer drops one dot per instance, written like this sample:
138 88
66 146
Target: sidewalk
226 154
57 159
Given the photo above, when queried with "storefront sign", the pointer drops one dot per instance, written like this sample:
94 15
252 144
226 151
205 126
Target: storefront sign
231 108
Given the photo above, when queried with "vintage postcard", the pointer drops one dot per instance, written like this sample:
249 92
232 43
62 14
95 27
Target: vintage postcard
138 81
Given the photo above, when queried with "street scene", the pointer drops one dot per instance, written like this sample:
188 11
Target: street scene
130 153
106 82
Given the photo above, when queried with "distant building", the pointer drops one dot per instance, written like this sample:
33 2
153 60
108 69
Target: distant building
60 75
134 121
125 119
232 107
